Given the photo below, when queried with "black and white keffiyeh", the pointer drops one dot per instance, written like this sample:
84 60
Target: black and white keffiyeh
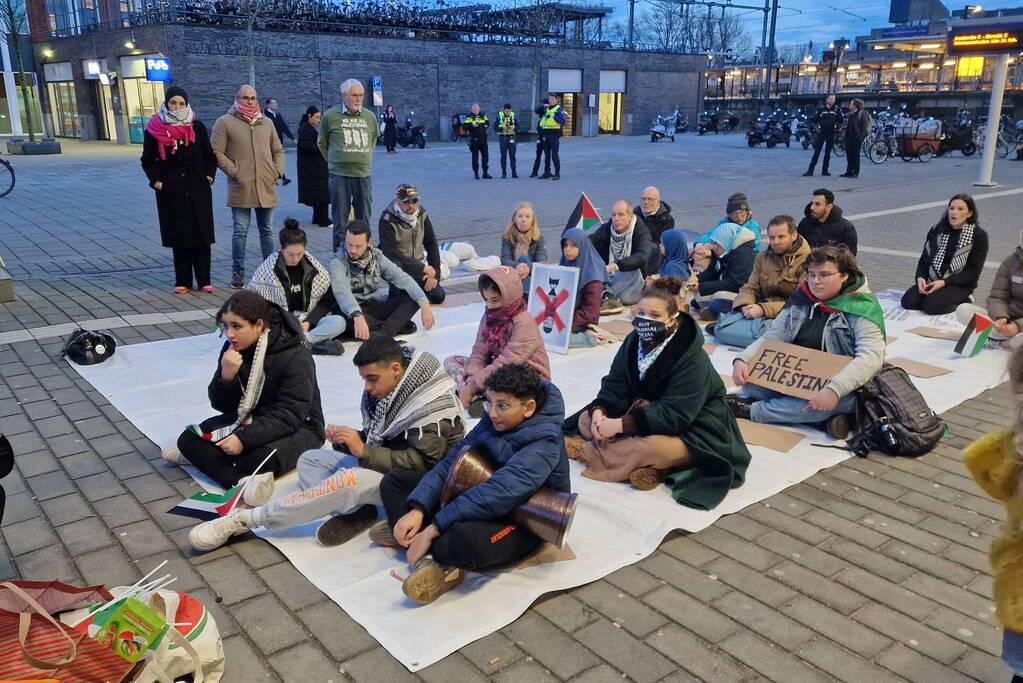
424 395
959 256
266 283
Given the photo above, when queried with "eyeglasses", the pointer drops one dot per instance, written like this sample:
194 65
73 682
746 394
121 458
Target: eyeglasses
820 277
410 200
246 98
501 408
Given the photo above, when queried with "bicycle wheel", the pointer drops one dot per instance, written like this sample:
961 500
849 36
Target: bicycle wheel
839 149
878 152
926 153
1001 149
6 178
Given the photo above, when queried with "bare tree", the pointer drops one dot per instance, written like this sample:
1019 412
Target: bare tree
14 24
789 54
675 27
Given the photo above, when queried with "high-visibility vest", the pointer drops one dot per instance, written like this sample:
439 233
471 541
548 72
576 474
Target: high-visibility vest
480 119
503 120
547 121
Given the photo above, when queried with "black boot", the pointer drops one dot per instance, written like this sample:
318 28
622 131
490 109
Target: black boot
739 405
514 174
487 176
477 174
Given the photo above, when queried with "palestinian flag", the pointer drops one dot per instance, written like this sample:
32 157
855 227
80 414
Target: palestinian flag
583 216
206 506
974 336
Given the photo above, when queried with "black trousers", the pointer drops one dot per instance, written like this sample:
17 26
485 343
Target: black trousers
828 143
539 153
551 143
479 148
852 155
945 300
472 546
321 214
226 469
508 145
389 316
436 295
188 261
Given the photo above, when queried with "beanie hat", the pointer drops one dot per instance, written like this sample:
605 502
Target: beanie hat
735 202
175 90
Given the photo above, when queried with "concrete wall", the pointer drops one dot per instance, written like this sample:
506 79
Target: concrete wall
434 78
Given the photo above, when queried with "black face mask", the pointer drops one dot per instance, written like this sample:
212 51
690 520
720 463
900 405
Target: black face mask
650 332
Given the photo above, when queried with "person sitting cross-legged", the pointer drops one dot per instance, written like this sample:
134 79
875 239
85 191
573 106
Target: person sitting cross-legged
829 312
661 410
410 420
360 276
624 245
729 254
293 279
1005 303
520 434
777 273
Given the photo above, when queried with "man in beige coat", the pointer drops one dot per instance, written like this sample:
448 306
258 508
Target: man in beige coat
249 152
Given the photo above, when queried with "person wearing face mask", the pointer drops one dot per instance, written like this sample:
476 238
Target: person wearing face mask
831 312
178 160
265 390
661 414
522 244
293 279
406 234
950 265
506 334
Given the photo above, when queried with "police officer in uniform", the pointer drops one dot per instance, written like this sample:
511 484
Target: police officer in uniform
552 118
476 123
826 120
507 126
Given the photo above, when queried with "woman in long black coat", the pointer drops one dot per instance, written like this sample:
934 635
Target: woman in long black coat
178 160
390 129
312 169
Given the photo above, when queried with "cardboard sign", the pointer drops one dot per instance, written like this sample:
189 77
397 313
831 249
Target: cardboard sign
768 436
918 369
935 333
793 370
552 303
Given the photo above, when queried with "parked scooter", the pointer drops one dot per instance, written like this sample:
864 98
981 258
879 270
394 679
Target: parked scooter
665 126
410 134
768 129
707 122
801 130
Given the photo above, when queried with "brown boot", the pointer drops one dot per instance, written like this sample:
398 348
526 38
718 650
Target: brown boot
646 478
574 446
430 580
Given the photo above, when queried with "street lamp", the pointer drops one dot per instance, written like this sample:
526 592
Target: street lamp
834 56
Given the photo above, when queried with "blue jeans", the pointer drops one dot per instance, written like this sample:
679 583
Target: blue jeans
329 327
349 193
626 286
242 220
1012 651
771 406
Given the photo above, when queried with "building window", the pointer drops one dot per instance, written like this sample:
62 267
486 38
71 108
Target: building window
64 109
142 99
71 16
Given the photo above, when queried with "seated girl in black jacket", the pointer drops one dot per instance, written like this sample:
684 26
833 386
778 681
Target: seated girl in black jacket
265 389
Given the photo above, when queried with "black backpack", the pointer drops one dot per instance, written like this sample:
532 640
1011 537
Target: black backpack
86 347
893 417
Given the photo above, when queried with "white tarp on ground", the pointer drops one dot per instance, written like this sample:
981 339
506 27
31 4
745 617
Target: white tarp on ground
161 386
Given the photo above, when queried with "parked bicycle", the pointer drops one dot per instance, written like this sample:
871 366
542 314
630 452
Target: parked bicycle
6 177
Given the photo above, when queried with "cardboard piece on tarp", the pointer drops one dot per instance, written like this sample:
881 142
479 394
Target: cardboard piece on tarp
890 340
935 333
619 328
545 554
727 379
710 347
793 370
918 369
768 436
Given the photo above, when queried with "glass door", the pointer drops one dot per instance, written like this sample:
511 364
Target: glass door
64 109
142 99
104 113
610 113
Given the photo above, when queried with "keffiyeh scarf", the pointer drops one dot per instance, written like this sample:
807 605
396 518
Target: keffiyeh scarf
425 395
251 392
363 273
959 256
621 244
266 283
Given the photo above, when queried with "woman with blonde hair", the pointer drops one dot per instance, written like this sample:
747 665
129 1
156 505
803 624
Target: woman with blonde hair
522 244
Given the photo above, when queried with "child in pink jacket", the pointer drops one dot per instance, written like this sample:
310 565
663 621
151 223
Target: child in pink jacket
506 334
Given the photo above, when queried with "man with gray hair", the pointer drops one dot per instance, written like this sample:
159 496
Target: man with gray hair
348 134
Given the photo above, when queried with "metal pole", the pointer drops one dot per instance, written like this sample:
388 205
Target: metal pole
763 53
770 50
994 115
632 24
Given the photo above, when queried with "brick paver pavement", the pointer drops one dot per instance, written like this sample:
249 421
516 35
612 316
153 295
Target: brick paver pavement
873 570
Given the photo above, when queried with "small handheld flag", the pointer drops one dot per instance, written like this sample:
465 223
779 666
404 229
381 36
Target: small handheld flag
583 216
974 336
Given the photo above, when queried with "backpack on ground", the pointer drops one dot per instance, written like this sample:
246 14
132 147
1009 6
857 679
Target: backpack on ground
893 417
86 347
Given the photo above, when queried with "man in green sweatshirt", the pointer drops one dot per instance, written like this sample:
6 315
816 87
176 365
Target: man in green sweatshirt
348 134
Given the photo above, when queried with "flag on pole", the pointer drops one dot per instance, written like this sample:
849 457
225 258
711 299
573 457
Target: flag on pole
583 216
974 336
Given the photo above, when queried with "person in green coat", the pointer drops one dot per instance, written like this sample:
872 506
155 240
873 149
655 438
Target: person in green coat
660 415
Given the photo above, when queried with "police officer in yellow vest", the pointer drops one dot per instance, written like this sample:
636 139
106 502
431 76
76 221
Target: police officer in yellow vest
476 123
507 126
552 118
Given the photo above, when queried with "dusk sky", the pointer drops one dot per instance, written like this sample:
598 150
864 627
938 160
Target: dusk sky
802 20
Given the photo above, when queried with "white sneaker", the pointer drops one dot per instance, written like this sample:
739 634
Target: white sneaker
213 534
172 455
260 490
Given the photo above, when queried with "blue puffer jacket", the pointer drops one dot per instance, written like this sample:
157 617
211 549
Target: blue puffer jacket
528 457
